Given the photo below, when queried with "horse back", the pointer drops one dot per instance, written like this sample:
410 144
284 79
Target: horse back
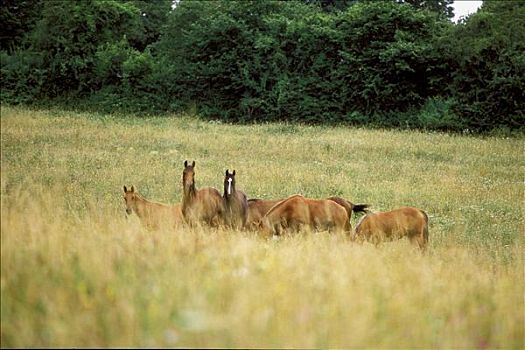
344 203
328 214
404 221
176 212
207 206
293 210
209 197
413 218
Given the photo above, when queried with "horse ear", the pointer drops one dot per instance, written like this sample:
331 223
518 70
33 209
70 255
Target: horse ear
227 172
125 189
193 164
233 172
185 163
132 188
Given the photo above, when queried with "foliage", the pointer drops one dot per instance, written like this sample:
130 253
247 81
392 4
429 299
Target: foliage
441 7
332 5
70 34
489 82
388 63
291 62
386 57
23 76
18 18
153 16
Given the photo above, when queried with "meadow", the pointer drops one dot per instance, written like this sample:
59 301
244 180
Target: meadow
75 272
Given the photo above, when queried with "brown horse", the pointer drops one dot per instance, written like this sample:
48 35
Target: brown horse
152 215
395 224
235 203
349 206
257 208
297 212
200 206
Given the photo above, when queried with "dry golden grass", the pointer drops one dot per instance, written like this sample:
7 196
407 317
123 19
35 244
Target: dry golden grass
76 273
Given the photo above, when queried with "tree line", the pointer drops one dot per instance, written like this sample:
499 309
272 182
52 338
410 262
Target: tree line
392 63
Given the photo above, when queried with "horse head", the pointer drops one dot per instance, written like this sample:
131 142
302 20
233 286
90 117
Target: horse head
229 183
129 198
188 175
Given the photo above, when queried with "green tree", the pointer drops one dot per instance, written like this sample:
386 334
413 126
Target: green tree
489 81
387 56
442 7
70 33
332 5
153 15
18 17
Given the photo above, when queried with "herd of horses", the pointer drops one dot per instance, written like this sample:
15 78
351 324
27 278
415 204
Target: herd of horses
232 209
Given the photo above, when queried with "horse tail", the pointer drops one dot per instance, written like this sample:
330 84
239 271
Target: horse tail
361 208
425 228
350 207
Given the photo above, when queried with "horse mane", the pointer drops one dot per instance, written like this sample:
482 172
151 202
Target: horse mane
141 198
279 204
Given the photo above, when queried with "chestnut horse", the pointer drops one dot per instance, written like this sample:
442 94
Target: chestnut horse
200 206
349 206
152 215
297 212
407 221
235 203
257 208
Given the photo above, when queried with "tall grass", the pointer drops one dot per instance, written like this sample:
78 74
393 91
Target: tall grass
76 272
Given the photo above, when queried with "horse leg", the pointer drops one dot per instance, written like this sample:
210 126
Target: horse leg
418 239
215 221
375 239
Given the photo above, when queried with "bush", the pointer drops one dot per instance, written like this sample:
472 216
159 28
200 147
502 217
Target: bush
387 63
23 76
288 61
489 82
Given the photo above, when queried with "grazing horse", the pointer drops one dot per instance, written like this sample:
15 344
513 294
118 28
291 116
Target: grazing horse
349 206
235 203
152 215
297 212
395 224
200 206
257 208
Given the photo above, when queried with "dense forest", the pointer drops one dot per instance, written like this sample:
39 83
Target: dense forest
392 63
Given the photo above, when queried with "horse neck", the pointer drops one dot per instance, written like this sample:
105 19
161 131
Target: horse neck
275 209
360 222
188 194
232 196
140 205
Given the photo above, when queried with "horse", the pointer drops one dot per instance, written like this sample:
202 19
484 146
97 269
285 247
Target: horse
235 203
153 215
257 208
205 205
297 212
403 222
349 206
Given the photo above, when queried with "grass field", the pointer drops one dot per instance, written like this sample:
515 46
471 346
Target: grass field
76 273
